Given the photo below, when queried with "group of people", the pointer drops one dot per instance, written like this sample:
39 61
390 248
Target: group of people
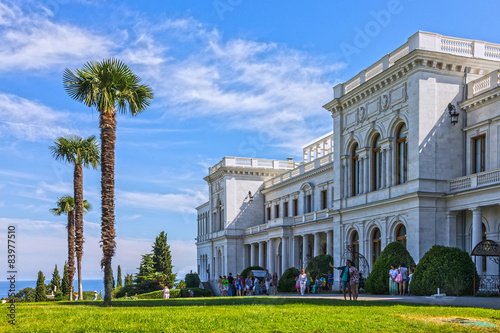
238 286
314 285
349 276
398 278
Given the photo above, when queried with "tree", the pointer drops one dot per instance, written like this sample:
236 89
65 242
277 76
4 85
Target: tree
146 269
180 285
56 280
26 295
80 153
119 278
393 254
65 286
192 280
66 205
287 281
40 290
112 279
129 279
448 268
319 265
163 259
108 86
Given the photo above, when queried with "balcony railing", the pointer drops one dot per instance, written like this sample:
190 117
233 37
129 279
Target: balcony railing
253 163
483 84
475 180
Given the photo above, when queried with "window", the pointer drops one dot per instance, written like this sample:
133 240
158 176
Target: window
285 209
324 199
478 154
376 244
401 234
401 155
308 203
276 211
355 170
355 248
295 207
376 164
268 213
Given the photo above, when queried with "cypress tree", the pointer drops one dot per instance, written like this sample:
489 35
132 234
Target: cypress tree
112 279
163 259
129 279
56 280
146 269
65 280
40 290
119 278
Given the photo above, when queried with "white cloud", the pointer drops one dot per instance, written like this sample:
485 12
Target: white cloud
174 202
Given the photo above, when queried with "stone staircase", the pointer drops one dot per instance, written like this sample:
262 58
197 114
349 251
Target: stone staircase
206 285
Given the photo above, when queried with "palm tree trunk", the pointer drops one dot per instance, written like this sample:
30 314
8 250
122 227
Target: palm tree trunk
108 138
71 252
78 194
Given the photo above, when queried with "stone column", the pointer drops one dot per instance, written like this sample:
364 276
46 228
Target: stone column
253 249
305 243
451 228
295 251
271 256
477 235
261 255
317 239
346 179
389 167
329 242
284 254
383 156
366 183
361 177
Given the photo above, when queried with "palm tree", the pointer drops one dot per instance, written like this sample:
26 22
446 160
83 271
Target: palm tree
108 86
66 205
81 153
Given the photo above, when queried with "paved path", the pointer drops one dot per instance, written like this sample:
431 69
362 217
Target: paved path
475 302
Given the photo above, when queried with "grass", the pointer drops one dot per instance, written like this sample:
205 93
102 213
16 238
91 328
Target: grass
245 314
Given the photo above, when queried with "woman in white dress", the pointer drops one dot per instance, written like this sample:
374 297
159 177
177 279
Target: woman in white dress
303 281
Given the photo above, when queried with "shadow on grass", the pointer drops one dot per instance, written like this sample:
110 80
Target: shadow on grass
235 301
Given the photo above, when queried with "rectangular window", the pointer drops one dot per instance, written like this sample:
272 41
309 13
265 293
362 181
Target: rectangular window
479 154
324 199
295 207
285 209
308 203
268 213
276 211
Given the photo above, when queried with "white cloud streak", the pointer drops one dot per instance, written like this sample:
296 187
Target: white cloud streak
174 202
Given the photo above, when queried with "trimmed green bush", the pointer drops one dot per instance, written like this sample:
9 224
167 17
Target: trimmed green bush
192 280
448 268
247 270
378 280
319 265
198 292
287 280
174 293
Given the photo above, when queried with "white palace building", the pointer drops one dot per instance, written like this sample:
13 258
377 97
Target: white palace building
414 157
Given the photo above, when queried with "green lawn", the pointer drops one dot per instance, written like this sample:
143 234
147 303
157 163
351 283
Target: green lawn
244 314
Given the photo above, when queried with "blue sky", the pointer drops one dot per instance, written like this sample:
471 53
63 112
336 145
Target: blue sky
231 78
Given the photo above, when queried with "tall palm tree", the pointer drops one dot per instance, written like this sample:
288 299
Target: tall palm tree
81 153
108 86
66 205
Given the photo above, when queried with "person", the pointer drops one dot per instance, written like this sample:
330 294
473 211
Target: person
230 284
330 281
393 285
322 282
191 293
275 283
238 285
208 274
75 296
221 288
166 292
95 295
308 281
267 278
409 279
303 278
297 284
256 287
344 277
402 284
354 280
249 285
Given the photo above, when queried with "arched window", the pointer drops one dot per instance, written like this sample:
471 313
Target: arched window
376 244
401 234
376 163
355 170
401 155
355 248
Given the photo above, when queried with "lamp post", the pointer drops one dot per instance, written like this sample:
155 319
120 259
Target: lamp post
452 110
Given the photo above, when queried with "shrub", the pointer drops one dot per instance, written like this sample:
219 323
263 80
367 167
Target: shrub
136 289
192 280
448 268
378 280
287 280
174 293
319 265
198 292
247 270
